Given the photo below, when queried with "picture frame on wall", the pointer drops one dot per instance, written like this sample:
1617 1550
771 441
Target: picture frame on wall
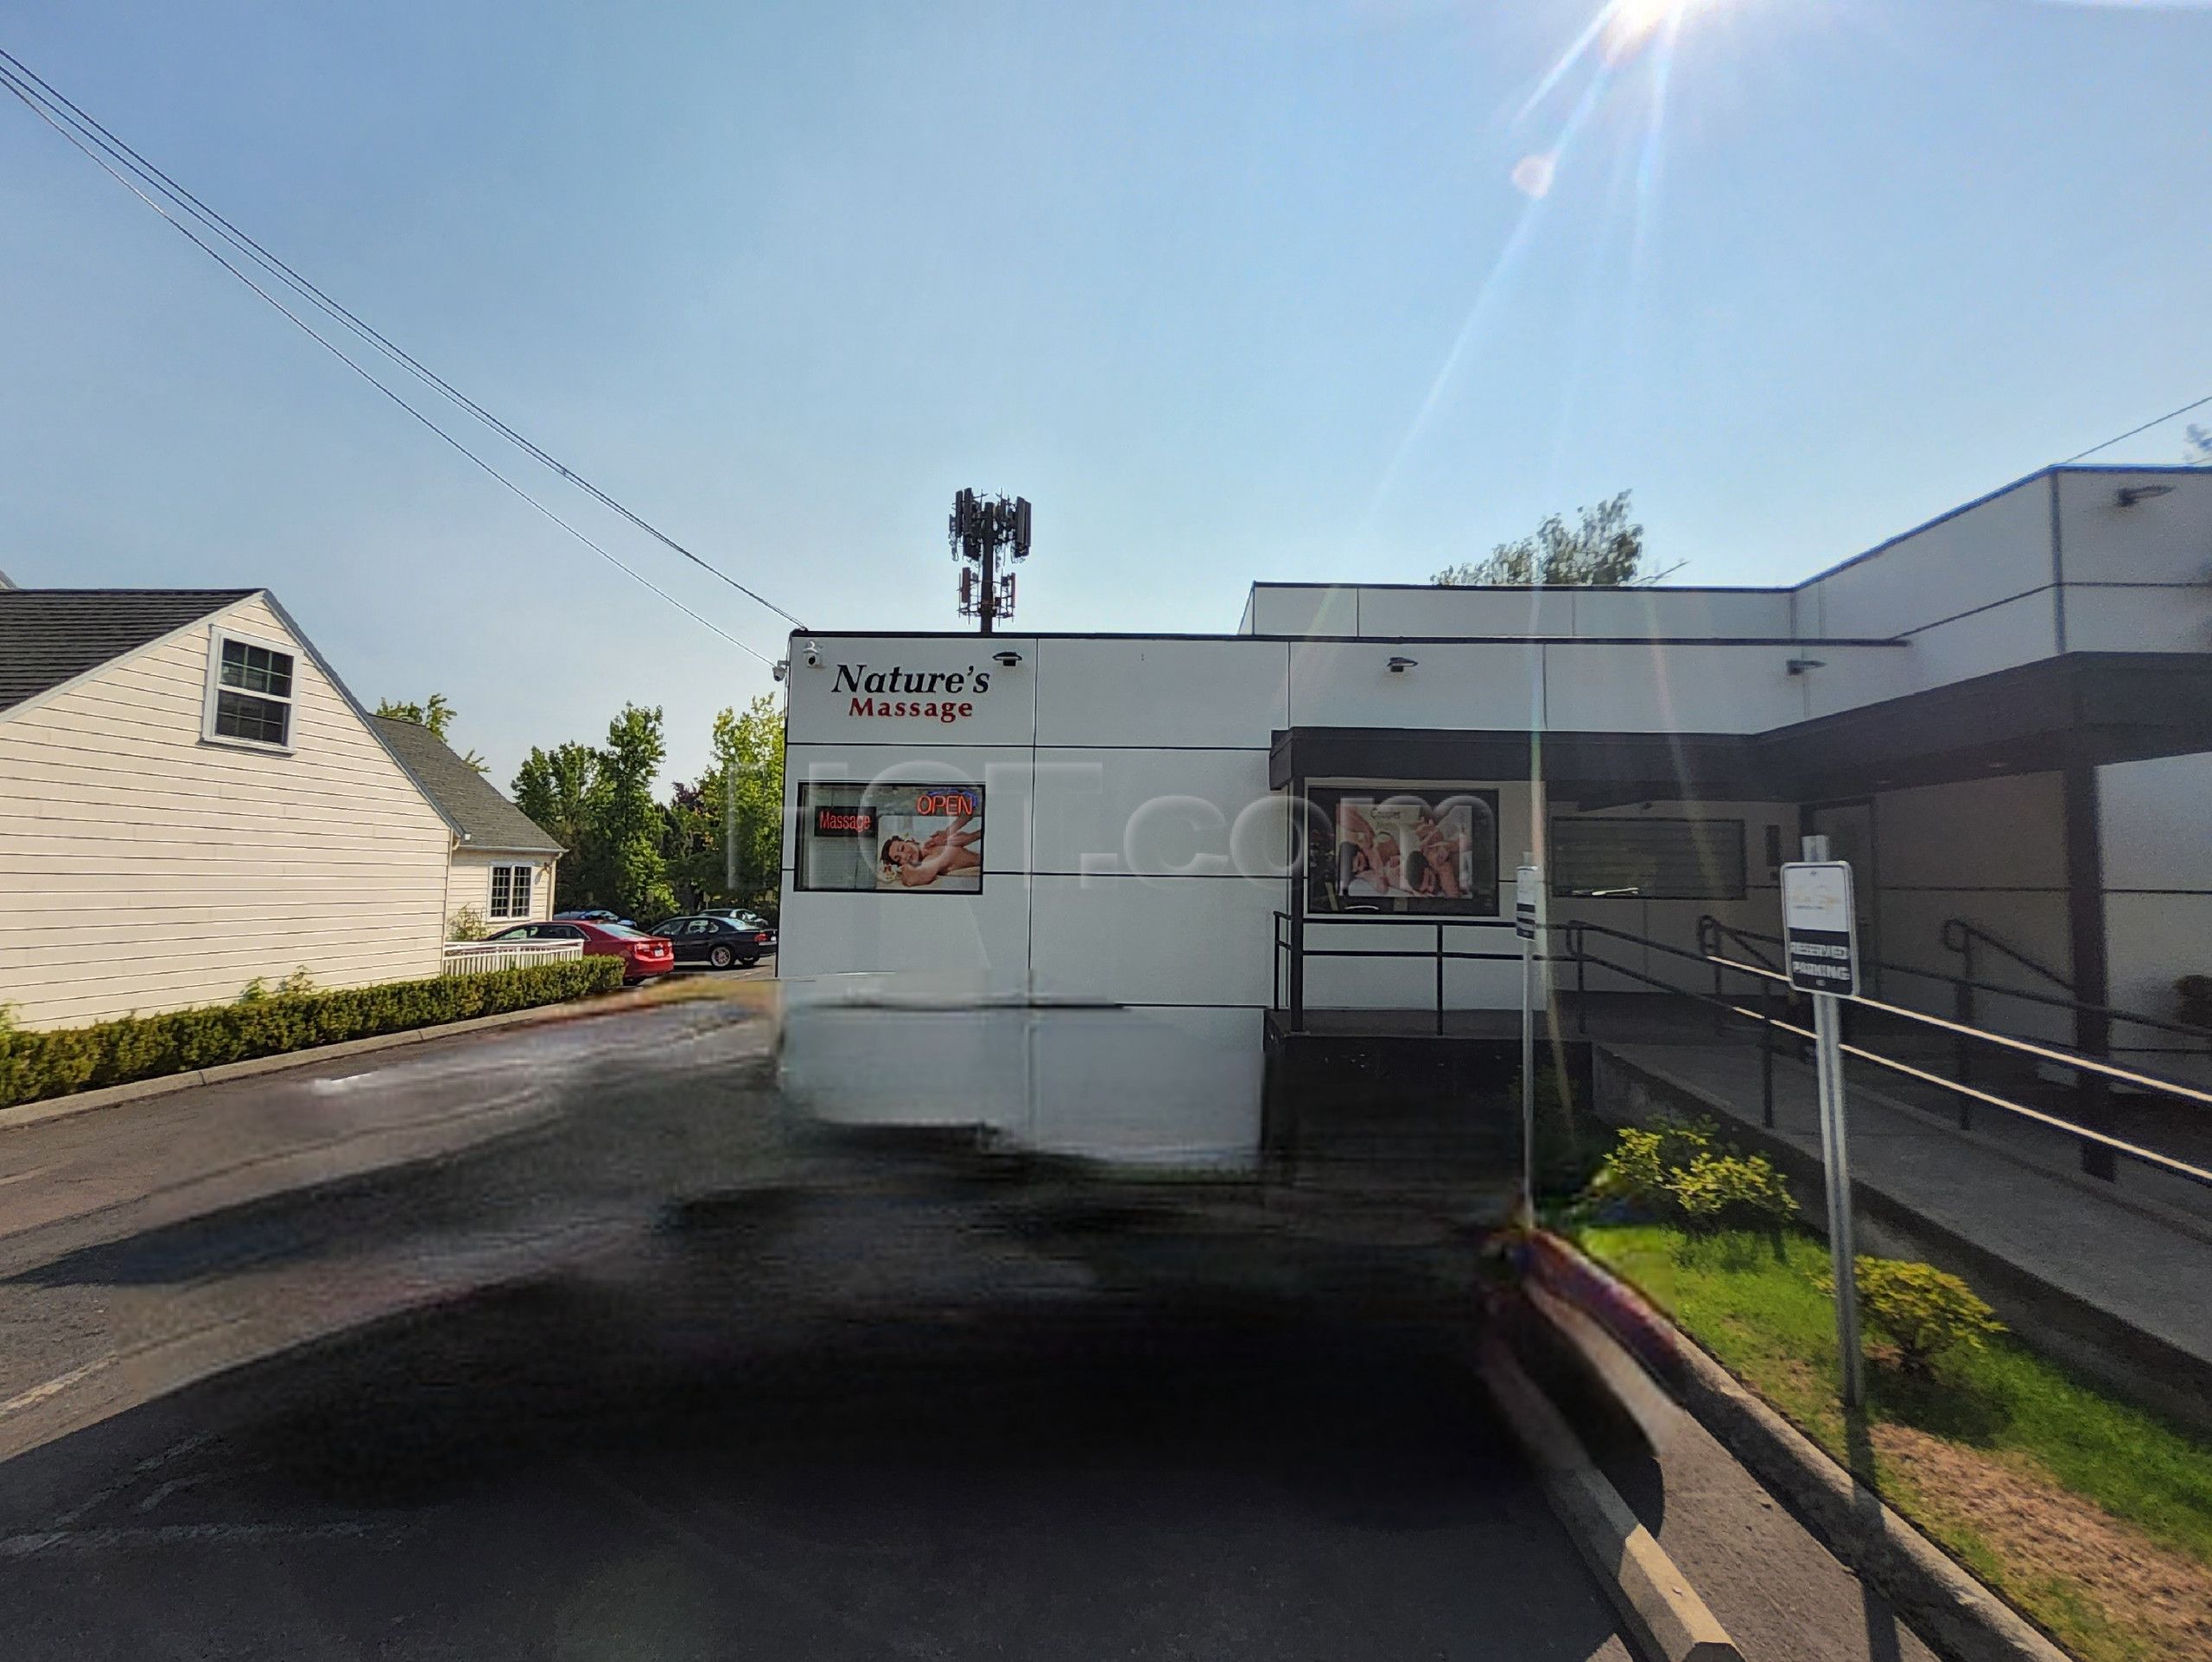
1429 852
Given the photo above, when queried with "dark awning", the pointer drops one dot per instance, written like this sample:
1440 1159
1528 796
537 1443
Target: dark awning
2082 707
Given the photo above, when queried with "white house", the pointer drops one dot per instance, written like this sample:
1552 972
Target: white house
2003 718
189 799
502 864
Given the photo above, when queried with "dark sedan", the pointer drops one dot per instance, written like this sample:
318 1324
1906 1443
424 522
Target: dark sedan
717 940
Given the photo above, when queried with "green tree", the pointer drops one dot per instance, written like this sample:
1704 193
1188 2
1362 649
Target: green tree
555 787
746 773
598 802
1604 549
631 873
438 716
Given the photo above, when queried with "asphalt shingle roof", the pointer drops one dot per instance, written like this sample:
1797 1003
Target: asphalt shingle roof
51 635
485 818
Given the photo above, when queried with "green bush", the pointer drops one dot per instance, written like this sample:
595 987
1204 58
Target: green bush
467 924
36 1065
1730 1191
1639 1172
1924 1312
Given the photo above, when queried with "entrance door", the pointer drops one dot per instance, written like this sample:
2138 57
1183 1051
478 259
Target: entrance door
1849 827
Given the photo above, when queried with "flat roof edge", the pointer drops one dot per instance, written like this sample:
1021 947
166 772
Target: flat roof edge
1363 639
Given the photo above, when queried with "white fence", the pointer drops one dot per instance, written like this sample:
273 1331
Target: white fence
474 957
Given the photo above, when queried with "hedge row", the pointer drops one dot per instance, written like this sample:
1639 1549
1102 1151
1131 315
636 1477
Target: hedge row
35 1065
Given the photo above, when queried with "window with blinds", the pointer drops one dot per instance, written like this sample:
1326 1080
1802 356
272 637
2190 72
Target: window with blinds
1648 859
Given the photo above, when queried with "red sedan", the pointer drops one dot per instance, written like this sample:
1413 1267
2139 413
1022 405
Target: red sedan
643 956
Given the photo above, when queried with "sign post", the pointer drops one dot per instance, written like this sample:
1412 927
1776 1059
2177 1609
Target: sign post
1528 889
1820 933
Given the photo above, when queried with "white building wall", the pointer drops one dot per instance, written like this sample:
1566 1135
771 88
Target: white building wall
2158 862
143 869
468 883
1992 851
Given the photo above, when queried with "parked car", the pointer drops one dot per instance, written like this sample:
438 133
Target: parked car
643 956
750 920
596 915
715 938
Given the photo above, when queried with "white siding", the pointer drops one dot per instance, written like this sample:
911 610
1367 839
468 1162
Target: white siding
468 882
143 869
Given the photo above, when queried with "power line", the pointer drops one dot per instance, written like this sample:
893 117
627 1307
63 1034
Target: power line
2156 420
18 77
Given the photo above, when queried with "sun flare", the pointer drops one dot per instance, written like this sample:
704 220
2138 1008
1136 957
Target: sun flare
1630 24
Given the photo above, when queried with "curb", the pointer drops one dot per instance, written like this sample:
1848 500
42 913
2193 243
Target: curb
78 1102
1670 1621
1945 1605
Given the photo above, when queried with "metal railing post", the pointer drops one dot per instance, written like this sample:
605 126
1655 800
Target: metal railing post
1963 1048
1766 1052
1298 973
1581 980
1275 968
1439 980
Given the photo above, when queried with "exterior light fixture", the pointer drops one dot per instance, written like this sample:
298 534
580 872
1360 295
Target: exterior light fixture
2128 495
1799 665
1005 660
1399 666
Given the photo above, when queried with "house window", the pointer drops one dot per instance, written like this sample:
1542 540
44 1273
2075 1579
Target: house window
511 891
1648 859
249 693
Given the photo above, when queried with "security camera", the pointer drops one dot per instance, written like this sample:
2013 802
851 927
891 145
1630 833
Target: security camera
812 653
1005 660
781 669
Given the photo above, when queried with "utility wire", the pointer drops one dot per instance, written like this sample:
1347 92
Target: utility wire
18 77
2155 421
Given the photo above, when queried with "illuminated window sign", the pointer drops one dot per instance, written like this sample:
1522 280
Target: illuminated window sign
844 822
895 839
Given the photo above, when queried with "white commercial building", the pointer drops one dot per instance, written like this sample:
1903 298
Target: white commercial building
2003 718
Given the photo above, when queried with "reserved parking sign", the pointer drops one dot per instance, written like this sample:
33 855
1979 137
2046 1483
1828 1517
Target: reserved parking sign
1820 928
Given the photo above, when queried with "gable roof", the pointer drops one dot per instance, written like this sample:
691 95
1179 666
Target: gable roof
484 818
48 636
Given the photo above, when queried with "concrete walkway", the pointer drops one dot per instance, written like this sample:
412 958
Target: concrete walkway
2112 1281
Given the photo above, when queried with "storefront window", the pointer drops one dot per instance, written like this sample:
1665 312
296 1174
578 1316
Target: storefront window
1648 859
1404 852
891 838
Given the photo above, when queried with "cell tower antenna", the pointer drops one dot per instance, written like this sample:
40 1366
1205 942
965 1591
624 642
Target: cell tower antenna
984 530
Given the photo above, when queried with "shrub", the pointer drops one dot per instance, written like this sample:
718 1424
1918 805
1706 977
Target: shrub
467 924
52 1063
1639 1172
1922 1312
1730 1191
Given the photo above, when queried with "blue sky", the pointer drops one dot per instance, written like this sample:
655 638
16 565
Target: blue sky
1188 276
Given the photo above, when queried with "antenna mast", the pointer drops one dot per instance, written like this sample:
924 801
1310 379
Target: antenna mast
982 528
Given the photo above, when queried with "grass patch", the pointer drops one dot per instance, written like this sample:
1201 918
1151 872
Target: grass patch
1994 1456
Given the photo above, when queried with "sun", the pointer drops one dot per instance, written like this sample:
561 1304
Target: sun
1628 25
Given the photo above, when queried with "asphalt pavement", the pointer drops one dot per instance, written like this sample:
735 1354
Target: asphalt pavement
501 1482
579 1341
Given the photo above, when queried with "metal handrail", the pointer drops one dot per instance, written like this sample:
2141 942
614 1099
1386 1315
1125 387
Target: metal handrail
2111 1012
1709 925
1959 935
2151 1157
1771 981
1436 951
2042 1053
